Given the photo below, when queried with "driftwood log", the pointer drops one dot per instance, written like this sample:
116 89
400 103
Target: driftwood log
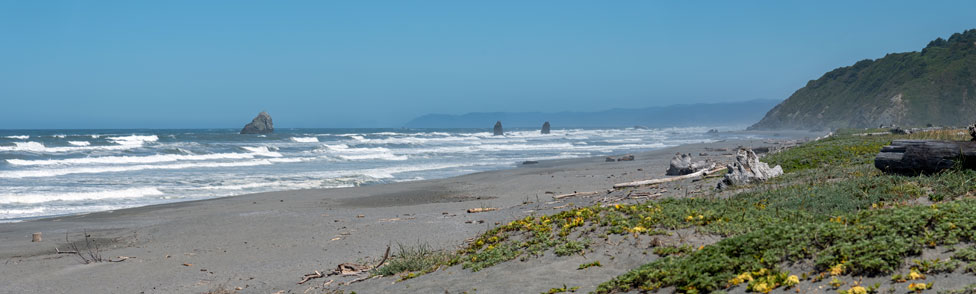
699 173
913 157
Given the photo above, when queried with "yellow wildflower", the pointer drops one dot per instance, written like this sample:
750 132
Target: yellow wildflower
791 281
689 218
837 269
762 288
919 287
914 275
857 290
744 277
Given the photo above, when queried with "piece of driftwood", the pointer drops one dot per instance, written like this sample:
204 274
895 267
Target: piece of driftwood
64 252
913 157
347 269
574 194
481 209
311 276
665 180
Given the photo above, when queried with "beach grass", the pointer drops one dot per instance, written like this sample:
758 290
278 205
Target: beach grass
413 260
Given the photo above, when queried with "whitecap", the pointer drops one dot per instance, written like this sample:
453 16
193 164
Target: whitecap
305 139
262 151
79 196
343 151
131 159
19 137
79 143
40 173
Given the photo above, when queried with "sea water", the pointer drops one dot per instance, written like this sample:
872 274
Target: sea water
58 172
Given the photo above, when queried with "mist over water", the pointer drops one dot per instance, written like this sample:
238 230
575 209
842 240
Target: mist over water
51 172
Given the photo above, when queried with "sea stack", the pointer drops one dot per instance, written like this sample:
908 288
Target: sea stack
498 128
545 128
261 124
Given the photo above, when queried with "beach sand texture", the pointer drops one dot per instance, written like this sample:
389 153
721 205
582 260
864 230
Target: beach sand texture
266 242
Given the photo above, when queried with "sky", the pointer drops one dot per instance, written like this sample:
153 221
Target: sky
216 64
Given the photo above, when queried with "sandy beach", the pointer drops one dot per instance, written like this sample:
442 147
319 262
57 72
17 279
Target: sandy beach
266 242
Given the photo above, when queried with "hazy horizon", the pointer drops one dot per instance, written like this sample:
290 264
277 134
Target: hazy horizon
182 64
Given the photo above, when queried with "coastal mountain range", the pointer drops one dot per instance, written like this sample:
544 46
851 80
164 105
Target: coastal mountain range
714 114
934 86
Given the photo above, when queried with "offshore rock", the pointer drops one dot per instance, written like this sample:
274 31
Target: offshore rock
681 164
498 129
261 124
748 169
545 128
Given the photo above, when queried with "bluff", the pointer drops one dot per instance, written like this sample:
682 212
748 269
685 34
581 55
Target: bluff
934 86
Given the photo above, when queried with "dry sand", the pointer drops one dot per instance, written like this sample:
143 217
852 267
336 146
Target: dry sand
265 243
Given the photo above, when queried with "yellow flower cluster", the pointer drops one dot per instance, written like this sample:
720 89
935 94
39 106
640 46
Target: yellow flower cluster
837 270
762 288
919 287
742 278
791 281
838 219
914 275
857 290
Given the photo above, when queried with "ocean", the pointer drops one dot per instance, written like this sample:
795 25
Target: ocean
59 172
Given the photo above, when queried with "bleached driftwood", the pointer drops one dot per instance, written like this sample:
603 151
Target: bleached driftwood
665 180
481 209
574 194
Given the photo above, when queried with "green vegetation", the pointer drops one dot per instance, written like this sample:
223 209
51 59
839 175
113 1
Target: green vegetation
589 265
562 289
832 209
411 259
933 86
834 151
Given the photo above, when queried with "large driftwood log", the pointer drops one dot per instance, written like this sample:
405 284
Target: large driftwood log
912 157
665 180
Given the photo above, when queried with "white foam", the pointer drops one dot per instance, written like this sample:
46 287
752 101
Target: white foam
19 137
40 173
134 159
343 151
79 143
389 172
305 139
262 151
133 140
79 196
124 143
60 136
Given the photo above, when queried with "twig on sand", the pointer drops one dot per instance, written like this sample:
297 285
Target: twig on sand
64 252
665 180
359 280
347 269
311 276
574 194
481 209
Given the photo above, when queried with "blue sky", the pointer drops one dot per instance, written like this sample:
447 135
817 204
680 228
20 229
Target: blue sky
199 64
